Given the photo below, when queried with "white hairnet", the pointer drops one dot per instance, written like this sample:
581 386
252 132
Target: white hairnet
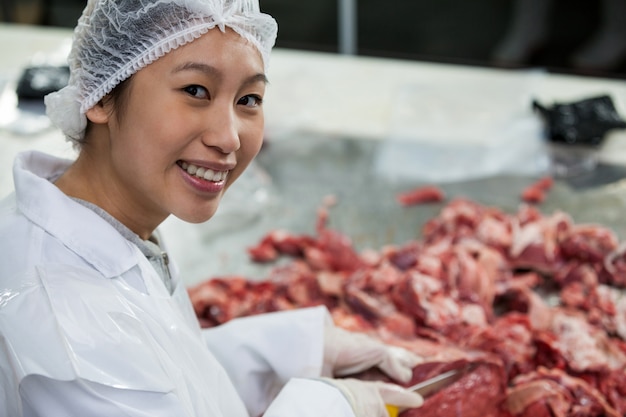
115 38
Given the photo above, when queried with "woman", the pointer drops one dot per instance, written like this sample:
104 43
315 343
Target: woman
164 104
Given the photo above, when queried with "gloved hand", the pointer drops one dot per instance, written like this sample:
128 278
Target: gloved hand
347 353
368 398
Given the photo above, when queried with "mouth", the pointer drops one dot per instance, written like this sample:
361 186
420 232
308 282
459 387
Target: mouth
203 173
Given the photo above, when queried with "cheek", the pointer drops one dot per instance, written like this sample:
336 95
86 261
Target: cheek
252 142
154 119
250 147
146 140
158 130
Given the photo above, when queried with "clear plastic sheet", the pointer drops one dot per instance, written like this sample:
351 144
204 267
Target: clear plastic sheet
463 130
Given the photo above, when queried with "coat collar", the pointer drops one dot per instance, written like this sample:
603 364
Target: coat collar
77 227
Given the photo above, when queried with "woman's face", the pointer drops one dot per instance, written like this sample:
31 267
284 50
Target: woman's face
191 122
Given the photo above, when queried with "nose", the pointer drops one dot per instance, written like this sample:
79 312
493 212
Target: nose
222 129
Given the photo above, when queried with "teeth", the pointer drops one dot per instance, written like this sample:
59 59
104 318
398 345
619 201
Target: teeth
207 174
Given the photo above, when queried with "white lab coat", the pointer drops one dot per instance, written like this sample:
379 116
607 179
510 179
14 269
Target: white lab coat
87 327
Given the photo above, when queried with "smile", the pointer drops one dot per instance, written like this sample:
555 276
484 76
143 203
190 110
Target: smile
204 173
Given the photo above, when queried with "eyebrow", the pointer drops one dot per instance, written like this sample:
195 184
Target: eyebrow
214 72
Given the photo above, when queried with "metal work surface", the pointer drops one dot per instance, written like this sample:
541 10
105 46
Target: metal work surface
292 178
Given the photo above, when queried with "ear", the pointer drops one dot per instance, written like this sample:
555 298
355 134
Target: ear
98 114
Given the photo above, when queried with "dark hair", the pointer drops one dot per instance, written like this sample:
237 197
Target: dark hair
117 98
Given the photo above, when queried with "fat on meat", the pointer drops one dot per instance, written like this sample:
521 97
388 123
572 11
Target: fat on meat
552 392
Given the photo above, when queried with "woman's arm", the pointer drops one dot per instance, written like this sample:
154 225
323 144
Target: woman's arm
261 353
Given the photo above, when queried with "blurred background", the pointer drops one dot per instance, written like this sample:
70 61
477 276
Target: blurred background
562 36
357 127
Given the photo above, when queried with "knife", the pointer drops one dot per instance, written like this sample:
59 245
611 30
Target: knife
432 385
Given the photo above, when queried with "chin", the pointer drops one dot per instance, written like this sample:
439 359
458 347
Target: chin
196 217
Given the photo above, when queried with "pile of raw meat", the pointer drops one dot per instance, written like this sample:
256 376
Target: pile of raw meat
534 301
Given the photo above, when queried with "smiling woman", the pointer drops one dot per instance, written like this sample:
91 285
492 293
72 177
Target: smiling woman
205 113
165 107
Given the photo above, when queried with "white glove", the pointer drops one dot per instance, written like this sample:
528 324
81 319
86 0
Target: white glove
368 398
346 353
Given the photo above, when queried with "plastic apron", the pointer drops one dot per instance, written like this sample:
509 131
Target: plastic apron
105 331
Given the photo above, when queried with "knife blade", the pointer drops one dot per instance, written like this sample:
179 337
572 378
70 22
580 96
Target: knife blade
434 384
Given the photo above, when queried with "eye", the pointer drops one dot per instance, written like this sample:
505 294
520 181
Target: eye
250 100
197 91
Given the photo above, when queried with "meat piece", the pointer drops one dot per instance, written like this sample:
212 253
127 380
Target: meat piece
551 392
588 243
614 267
421 195
424 298
511 339
536 242
333 251
614 301
457 219
371 306
539 398
533 195
404 257
331 283
495 231
346 319
536 192
480 393
264 251
480 268
611 385
485 380
576 272
584 347
223 299
277 243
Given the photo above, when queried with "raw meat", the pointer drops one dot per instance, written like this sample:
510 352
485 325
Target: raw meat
420 195
536 192
534 300
552 392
